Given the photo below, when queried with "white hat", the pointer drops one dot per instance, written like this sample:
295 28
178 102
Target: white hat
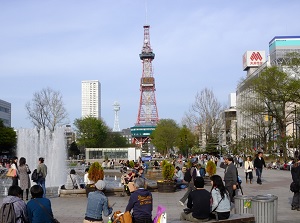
100 185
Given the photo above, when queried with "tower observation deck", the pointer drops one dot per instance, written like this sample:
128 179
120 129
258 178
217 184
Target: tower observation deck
147 113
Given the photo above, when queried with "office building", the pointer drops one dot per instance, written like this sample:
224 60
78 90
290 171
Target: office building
91 98
5 113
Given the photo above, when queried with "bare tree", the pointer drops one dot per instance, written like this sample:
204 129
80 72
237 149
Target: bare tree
205 114
46 109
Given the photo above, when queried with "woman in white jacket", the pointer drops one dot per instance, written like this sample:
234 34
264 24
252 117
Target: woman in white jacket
249 169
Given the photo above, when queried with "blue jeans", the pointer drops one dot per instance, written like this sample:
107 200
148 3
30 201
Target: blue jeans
42 183
258 174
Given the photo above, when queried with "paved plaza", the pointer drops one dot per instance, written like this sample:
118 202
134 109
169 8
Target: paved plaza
275 182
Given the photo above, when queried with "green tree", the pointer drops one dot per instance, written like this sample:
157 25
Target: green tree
73 149
91 132
275 94
115 140
185 140
165 134
8 139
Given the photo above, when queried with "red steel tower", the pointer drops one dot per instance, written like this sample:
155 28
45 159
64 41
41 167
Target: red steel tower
147 114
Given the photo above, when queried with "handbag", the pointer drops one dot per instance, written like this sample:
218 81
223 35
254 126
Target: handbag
54 220
74 186
119 217
11 172
28 170
187 210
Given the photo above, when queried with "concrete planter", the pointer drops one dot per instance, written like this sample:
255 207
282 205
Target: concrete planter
166 186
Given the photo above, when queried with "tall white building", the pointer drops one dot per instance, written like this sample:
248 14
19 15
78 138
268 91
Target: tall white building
91 99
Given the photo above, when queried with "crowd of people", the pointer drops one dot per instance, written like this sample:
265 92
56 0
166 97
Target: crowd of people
201 204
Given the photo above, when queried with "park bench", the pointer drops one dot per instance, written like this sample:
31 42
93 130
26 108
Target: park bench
234 218
82 192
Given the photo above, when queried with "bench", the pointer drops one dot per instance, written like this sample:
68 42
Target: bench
234 218
82 192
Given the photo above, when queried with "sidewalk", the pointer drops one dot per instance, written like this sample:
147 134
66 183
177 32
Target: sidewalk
275 182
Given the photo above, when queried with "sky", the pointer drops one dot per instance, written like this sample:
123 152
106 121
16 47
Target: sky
198 44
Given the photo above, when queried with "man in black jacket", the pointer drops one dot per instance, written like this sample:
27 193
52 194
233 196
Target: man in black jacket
259 162
230 175
198 203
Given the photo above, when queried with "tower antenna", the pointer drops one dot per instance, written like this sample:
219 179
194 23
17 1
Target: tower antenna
116 123
146 9
147 118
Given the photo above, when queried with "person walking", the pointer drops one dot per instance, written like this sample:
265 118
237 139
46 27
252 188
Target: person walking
42 172
295 171
248 166
24 172
230 175
14 165
259 163
193 172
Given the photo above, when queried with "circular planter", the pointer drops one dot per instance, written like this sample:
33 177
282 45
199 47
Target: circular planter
166 187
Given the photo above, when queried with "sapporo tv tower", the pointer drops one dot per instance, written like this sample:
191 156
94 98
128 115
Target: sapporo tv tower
147 114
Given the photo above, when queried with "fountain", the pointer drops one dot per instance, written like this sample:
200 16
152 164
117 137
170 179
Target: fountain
33 144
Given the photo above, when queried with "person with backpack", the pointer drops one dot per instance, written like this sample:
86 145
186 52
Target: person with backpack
189 177
42 172
13 208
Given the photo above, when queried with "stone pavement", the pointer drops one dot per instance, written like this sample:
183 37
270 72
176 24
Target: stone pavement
275 182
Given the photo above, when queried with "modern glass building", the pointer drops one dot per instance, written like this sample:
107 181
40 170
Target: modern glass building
5 113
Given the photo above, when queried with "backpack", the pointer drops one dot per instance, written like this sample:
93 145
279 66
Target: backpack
294 187
34 176
187 175
8 214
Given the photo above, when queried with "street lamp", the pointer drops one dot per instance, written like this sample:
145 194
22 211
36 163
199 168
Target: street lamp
187 148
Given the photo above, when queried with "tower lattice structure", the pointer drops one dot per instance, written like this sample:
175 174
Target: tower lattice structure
116 122
147 113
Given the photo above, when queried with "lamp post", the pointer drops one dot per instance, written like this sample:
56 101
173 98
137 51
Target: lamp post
187 148
244 137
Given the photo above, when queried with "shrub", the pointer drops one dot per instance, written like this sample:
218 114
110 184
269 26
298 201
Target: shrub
168 171
131 164
164 162
211 168
96 172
